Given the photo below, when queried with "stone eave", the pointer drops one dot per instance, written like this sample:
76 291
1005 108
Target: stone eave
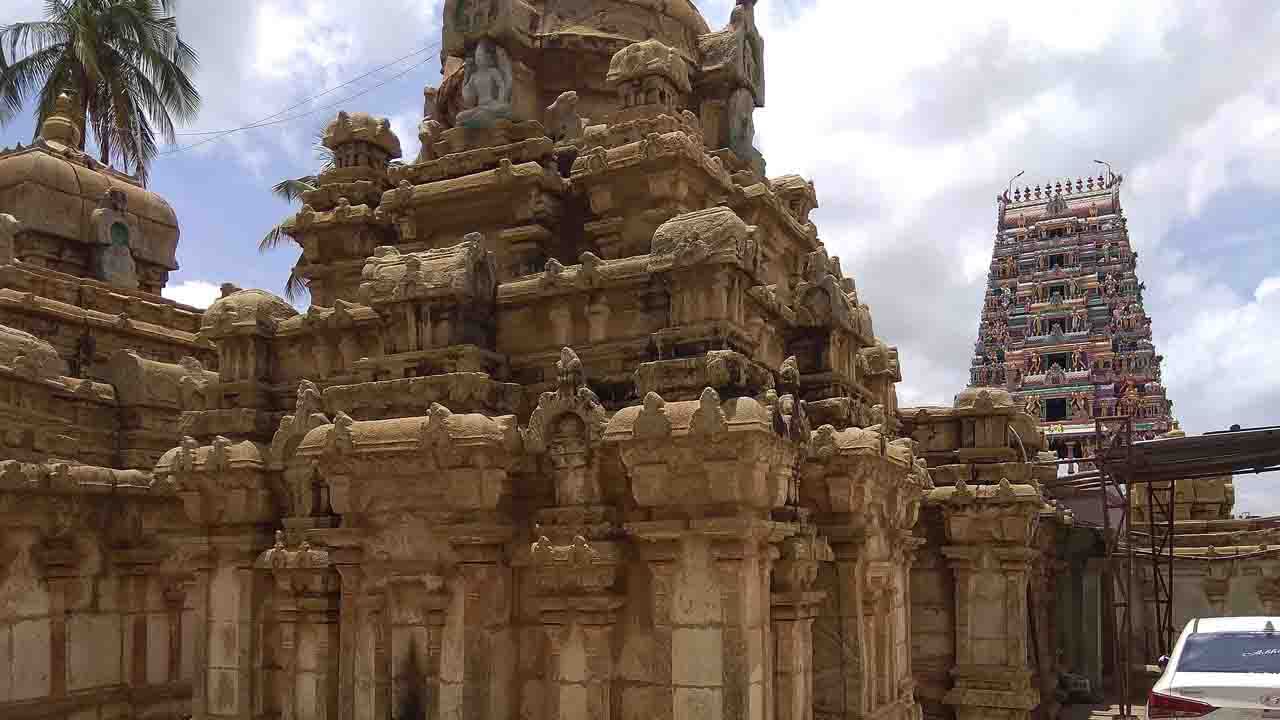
319 318
740 415
63 311
309 220
672 149
489 186
465 162
574 279
36 280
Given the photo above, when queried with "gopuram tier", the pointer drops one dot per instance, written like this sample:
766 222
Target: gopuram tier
1063 325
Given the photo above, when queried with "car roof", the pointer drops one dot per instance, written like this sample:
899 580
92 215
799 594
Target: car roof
1234 624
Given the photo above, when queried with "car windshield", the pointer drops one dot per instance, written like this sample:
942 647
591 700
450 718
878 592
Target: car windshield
1231 652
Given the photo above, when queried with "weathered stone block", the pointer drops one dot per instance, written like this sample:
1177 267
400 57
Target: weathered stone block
93 651
697 656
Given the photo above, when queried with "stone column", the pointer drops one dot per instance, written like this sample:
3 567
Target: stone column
866 492
990 529
61 563
569 669
840 659
1269 587
225 489
794 605
235 594
741 553
1093 612
306 602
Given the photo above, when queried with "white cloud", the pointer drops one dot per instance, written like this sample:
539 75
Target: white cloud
1222 360
196 293
1267 288
910 118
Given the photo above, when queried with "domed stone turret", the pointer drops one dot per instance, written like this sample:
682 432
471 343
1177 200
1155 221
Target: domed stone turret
81 217
361 140
238 306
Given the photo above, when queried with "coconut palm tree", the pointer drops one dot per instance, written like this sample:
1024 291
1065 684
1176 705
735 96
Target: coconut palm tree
121 60
290 190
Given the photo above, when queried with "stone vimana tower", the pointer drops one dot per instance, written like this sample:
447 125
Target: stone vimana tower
582 422
1063 325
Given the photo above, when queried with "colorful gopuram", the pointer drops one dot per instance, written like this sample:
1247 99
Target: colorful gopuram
1063 325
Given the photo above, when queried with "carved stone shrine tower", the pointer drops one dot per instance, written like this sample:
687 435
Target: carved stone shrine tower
582 422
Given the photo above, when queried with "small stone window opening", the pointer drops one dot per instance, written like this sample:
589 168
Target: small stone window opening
1056 261
1055 409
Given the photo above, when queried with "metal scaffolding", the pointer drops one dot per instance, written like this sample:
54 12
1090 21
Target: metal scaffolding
1120 466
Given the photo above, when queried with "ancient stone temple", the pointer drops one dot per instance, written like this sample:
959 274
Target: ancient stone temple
1063 325
582 422
96 370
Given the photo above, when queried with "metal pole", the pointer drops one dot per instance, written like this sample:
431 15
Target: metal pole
1110 175
1126 704
1009 188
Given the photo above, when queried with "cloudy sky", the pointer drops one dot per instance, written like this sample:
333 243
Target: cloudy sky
909 116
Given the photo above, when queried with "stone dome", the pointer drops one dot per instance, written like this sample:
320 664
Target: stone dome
25 353
242 305
56 193
54 189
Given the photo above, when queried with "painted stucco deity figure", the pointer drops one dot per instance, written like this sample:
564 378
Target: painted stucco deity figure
486 91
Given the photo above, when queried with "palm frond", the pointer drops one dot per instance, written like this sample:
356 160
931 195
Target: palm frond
124 59
272 240
293 188
295 286
19 79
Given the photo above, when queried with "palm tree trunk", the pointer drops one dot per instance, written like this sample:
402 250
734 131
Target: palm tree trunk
83 120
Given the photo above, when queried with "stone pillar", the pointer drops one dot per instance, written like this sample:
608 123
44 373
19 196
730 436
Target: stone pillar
569 667
794 604
713 472
840 660
645 671
572 568
61 563
741 553
1269 588
865 490
990 529
225 491
235 596
306 602
1093 619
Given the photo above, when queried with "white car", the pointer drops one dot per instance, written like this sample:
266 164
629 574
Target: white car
1221 668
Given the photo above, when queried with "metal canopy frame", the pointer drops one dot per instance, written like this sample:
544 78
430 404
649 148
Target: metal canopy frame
1121 466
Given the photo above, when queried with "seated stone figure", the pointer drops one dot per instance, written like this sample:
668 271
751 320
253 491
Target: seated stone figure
486 90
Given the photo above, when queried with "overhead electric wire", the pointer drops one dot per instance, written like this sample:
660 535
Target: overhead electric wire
275 119
317 96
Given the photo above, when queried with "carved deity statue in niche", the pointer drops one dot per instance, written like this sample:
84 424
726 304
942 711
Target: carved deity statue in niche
113 261
486 89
